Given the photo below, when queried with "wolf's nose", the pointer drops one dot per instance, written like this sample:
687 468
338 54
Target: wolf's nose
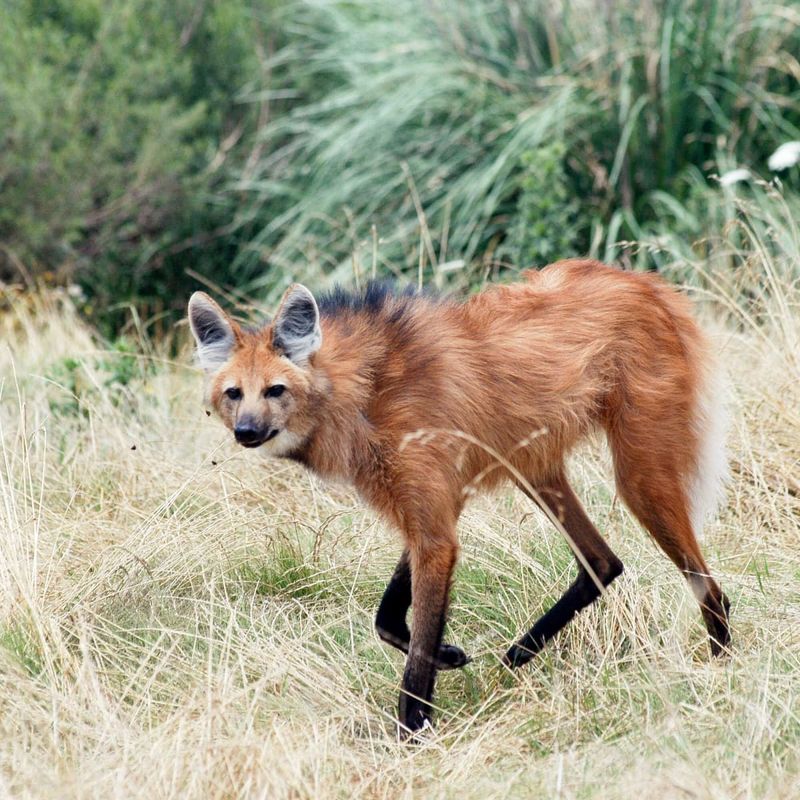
248 434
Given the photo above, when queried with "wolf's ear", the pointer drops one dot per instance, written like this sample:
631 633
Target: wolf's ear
213 331
296 328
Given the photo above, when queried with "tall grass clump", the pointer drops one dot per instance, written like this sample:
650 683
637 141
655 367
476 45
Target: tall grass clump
144 143
495 131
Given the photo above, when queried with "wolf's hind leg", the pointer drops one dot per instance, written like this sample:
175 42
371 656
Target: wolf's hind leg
565 506
390 621
661 507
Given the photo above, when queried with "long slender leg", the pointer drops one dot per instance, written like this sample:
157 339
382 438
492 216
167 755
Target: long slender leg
390 621
657 440
663 511
562 502
432 569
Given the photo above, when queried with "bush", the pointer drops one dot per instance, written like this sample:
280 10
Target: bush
545 225
119 121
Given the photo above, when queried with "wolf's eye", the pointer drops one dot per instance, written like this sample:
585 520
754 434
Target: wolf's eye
234 393
275 391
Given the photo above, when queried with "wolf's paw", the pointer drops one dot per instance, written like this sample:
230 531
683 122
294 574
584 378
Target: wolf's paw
451 657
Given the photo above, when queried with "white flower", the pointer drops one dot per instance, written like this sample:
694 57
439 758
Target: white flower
734 176
787 155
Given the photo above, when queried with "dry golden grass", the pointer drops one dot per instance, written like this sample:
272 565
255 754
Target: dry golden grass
186 620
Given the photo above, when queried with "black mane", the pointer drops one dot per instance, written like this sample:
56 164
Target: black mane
374 297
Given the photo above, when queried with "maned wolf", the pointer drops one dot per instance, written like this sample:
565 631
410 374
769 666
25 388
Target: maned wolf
418 401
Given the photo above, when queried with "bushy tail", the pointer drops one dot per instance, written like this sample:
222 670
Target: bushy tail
711 423
705 480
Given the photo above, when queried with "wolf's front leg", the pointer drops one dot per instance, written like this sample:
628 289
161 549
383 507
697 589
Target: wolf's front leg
432 562
390 621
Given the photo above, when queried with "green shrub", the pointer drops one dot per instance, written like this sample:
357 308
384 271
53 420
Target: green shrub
545 224
119 122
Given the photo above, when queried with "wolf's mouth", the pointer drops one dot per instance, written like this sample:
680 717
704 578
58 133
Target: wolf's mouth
271 435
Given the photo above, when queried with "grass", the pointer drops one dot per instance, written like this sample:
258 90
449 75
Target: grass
454 107
181 619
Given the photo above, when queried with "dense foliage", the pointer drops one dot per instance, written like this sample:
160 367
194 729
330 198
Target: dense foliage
120 122
463 100
253 141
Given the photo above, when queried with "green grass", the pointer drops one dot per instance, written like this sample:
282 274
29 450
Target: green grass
499 132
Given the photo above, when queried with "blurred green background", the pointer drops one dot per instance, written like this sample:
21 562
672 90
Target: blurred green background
153 146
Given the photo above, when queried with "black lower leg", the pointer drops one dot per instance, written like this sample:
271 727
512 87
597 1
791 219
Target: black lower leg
432 573
557 496
390 621
580 594
419 676
715 608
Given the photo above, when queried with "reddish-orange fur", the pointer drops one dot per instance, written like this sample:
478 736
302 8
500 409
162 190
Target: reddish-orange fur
528 370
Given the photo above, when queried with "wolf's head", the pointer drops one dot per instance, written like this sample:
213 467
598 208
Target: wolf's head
260 382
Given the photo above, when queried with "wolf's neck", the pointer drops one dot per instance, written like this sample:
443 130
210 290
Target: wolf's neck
346 368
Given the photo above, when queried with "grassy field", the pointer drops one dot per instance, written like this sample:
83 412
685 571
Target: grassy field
182 619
